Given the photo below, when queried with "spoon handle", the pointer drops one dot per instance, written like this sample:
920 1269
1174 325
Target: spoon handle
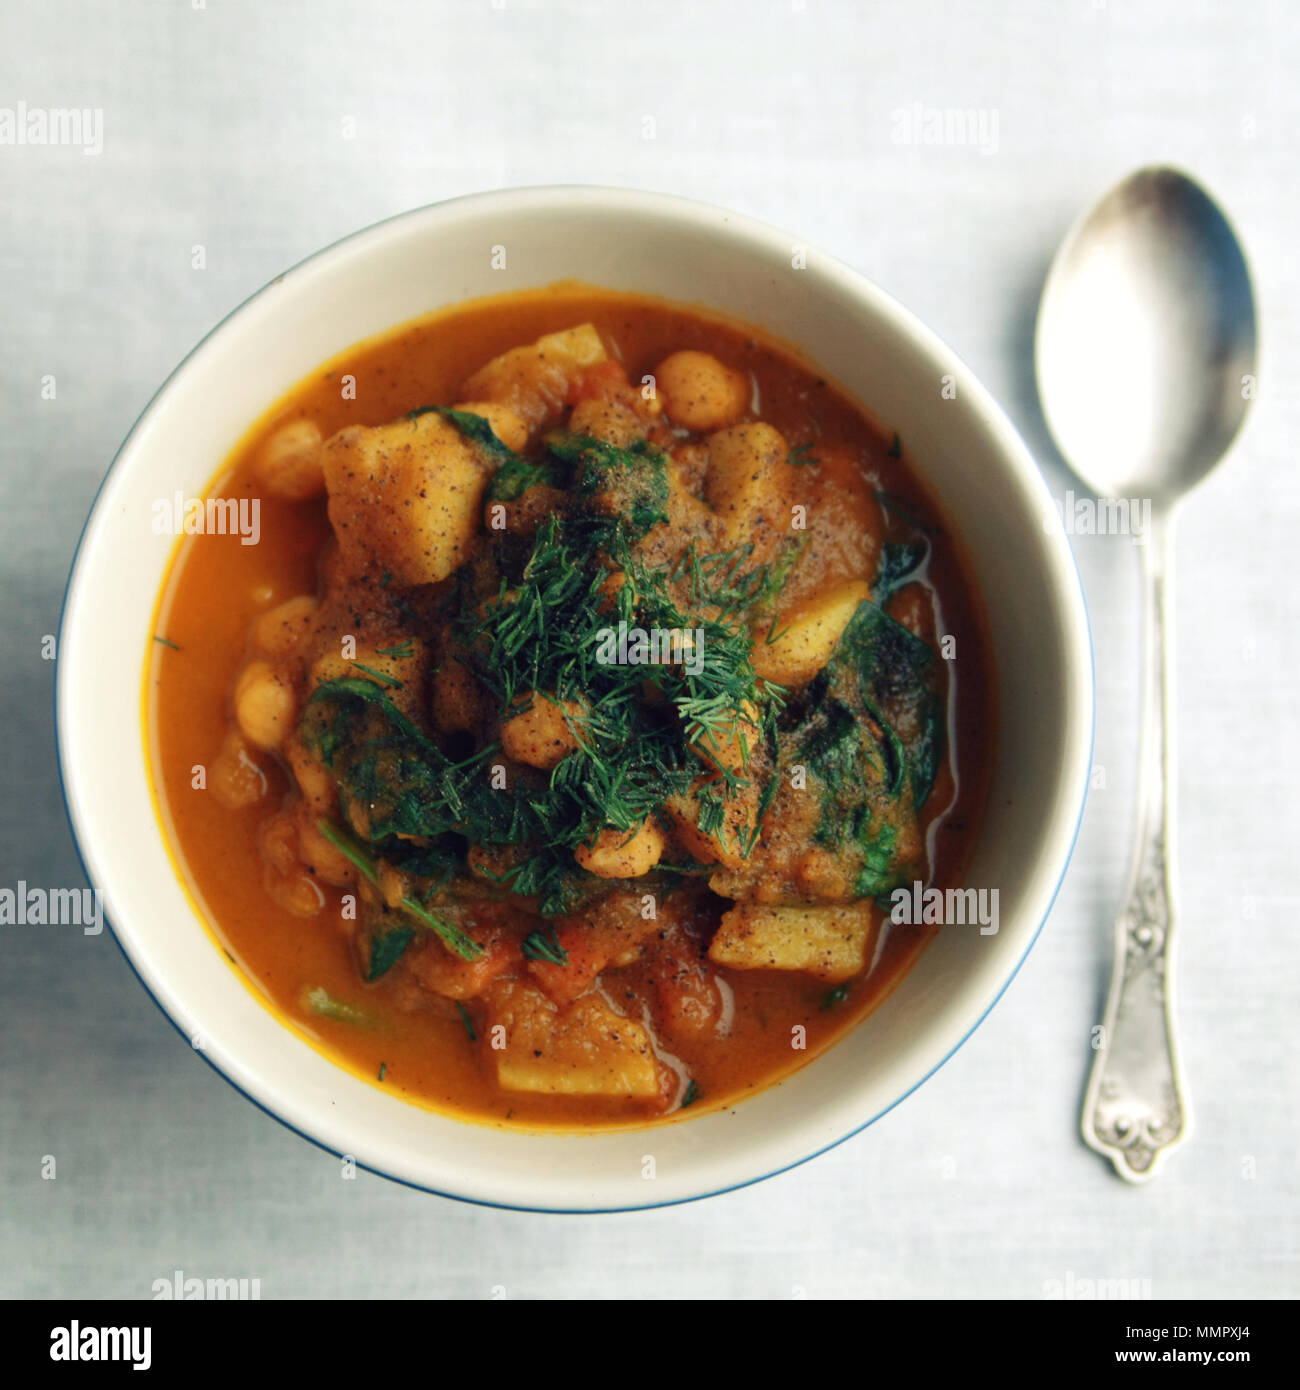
1136 1111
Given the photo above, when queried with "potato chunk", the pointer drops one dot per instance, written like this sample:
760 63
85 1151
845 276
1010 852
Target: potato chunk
506 425
751 487
726 845
404 498
614 421
806 639
832 943
729 741
534 380
585 1049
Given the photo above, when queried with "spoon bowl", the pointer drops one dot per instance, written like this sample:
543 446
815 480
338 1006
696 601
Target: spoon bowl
1146 339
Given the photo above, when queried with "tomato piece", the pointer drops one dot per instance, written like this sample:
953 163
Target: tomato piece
689 1003
604 379
614 927
497 930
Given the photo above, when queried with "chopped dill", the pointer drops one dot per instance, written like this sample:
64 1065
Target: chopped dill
526 621
379 675
544 945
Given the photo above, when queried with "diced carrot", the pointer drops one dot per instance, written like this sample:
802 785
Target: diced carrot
436 969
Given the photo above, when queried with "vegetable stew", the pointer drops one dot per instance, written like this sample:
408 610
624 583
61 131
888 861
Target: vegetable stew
599 671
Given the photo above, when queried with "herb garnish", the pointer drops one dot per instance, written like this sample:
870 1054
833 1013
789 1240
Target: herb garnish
452 936
900 506
474 427
379 675
386 950
545 945
320 1001
532 630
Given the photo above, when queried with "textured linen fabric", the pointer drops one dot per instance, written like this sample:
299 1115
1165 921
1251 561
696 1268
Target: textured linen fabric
262 132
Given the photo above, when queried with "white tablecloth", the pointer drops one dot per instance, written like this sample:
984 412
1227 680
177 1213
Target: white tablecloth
227 126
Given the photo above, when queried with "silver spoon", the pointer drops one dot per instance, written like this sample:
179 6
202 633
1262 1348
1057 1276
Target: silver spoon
1145 356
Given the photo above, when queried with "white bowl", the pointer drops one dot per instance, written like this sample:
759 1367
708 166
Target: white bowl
966 447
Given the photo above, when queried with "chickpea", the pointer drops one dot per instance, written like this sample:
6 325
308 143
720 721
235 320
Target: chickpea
688 515
393 884
263 705
315 781
290 463
323 858
508 426
280 630
824 876
700 393
623 853
742 463
297 893
237 780
540 736
278 841
287 883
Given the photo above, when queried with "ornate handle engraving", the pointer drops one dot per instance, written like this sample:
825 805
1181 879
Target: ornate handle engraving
1135 1111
